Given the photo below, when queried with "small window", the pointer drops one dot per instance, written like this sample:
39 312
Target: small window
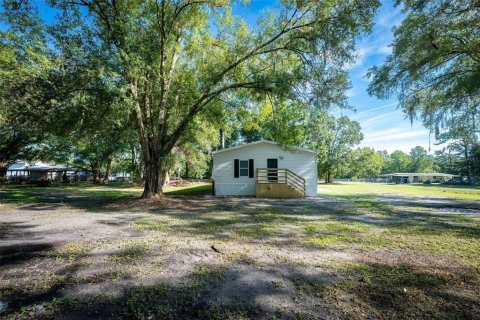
243 168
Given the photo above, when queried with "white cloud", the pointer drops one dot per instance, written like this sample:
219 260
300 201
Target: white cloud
373 45
374 109
386 50
402 139
383 136
378 42
362 52
383 115
389 15
382 133
351 92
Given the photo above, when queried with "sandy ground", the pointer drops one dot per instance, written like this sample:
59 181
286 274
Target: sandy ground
52 252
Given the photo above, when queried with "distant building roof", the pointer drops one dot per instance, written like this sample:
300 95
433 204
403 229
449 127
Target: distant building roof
419 174
46 168
18 166
50 168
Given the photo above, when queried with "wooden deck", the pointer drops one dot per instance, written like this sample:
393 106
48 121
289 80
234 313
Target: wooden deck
279 184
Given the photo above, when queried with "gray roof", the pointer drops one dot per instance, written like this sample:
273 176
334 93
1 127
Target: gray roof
50 168
18 166
258 142
45 169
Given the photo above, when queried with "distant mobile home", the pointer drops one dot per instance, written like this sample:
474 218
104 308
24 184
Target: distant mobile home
23 172
415 177
265 169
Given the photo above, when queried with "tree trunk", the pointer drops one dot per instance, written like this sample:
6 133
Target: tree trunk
165 177
136 166
3 172
162 175
95 175
467 162
95 171
151 177
107 170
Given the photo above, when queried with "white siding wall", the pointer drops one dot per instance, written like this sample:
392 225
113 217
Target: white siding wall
302 163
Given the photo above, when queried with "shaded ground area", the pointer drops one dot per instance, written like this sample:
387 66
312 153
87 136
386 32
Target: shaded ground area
99 252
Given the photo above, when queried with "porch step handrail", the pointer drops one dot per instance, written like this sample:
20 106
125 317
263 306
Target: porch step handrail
281 175
296 181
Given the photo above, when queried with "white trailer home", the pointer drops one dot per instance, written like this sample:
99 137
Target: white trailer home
265 169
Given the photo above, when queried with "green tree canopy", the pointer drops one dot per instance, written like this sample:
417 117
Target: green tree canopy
461 142
366 163
398 161
178 59
333 139
421 161
434 68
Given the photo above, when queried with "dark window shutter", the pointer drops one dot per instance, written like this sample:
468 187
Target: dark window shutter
250 168
236 168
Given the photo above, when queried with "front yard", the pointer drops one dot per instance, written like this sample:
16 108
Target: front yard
358 251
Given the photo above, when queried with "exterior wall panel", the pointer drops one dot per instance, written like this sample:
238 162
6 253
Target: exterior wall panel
301 162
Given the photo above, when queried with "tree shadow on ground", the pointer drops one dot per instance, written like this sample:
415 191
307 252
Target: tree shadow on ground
422 216
87 198
21 253
278 291
410 214
259 218
82 198
245 287
404 292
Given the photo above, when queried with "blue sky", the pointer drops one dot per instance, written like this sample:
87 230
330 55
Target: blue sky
383 125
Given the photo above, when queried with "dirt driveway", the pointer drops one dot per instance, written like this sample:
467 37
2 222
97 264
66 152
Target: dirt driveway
80 254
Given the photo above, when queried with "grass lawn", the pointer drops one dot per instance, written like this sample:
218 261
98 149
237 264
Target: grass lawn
433 190
358 251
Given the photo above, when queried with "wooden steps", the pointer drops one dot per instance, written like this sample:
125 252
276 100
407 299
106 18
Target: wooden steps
279 184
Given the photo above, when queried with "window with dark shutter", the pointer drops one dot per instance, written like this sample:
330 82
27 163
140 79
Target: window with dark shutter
243 168
250 168
236 168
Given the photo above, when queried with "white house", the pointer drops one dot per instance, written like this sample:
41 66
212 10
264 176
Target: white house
265 169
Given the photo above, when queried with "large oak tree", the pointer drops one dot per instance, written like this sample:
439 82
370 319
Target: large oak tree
177 59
